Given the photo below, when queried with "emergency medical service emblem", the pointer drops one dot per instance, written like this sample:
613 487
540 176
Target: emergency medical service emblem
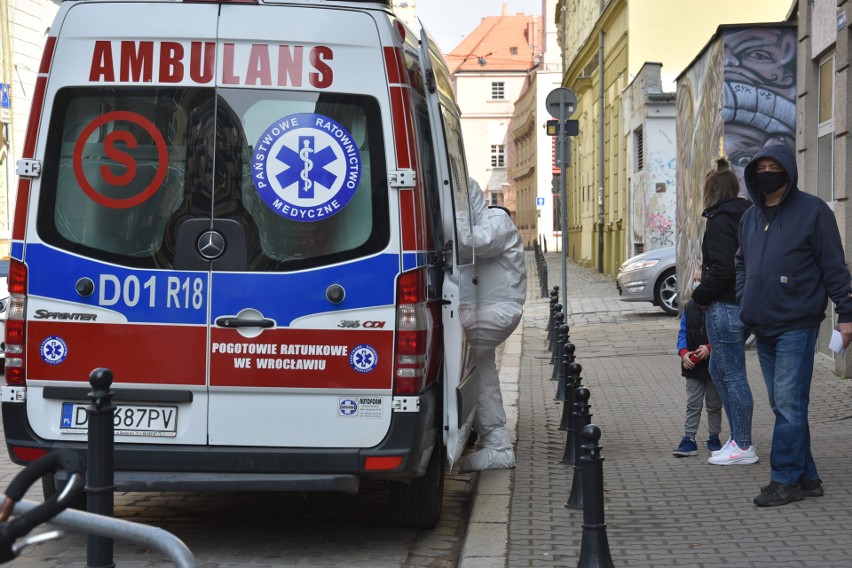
53 350
306 167
347 407
363 358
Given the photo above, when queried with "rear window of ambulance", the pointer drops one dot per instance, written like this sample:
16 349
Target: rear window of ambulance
302 173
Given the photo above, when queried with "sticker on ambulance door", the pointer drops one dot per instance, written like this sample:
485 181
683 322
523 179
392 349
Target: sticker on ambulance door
53 350
306 167
363 358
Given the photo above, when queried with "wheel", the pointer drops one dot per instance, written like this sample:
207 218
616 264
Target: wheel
48 489
665 292
418 504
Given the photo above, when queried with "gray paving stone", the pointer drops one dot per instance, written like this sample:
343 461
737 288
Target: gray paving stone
660 510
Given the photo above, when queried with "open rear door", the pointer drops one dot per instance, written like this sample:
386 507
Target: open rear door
459 295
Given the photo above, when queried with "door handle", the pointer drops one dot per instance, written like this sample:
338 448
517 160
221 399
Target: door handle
233 322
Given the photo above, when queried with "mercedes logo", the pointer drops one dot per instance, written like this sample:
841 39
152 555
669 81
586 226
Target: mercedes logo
211 244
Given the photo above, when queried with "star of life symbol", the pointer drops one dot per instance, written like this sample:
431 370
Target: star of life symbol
306 167
53 350
363 358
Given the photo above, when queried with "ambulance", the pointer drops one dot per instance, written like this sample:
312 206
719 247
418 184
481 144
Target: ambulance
249 212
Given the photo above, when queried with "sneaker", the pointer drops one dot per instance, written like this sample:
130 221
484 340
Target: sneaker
714 444
687 447
812 488
776 494
723 448
734 455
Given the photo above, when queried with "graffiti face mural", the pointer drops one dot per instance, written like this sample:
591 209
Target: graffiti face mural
759 106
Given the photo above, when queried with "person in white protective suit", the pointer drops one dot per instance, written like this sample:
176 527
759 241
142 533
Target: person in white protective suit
501 289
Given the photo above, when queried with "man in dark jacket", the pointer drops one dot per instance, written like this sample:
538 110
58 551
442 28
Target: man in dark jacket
789 263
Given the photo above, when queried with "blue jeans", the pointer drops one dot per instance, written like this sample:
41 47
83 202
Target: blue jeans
787 362
727 335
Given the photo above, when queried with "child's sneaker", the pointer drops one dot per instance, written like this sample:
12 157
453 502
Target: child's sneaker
687 447
714 444
734 455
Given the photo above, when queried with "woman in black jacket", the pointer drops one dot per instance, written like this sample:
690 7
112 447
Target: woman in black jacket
717 294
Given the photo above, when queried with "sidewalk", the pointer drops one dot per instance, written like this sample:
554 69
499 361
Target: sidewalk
660 510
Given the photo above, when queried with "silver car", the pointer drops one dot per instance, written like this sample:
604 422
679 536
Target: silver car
650 277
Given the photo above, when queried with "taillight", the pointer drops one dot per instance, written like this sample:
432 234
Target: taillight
15 330
380 463
413 321
27 454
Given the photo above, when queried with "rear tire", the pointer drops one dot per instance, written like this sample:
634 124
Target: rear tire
48 489
418 504
665 292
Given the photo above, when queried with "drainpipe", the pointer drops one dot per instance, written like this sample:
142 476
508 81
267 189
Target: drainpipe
564 40
601 151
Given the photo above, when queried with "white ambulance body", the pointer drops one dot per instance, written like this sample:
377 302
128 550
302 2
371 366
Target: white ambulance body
246 211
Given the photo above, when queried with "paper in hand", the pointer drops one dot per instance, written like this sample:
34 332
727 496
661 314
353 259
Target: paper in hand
836 343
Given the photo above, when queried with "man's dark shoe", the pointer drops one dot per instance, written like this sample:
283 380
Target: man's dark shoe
776 494
812 488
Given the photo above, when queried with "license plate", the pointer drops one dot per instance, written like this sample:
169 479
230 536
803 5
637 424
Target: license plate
128 419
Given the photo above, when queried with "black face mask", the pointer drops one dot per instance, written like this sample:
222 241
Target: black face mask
770 182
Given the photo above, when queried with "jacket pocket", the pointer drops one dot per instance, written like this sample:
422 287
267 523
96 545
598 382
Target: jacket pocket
782 296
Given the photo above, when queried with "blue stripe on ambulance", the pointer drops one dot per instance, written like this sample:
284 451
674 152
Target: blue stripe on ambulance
368 283
17 251
412 260
180 297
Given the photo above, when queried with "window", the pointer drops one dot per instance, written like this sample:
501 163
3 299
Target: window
825 130
498 90
498 156
826 91
191 164
513 50
639 149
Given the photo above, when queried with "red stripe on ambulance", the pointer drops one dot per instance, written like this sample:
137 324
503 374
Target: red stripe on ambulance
23 198
393 65
150 354
20 223
299 358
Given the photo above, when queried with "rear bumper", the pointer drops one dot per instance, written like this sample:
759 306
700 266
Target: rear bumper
155 467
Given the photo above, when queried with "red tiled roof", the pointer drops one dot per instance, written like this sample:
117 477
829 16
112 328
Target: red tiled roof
489 46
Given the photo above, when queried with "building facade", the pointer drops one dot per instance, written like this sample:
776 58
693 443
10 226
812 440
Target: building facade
730 103
607 42
490 70
651 169
822 129
532 168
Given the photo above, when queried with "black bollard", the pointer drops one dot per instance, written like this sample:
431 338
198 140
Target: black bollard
594 547
100 463
582 418
561 340
572 383
543 278
558 318
554 300
561 385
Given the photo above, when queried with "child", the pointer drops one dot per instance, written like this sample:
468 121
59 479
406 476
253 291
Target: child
694 350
